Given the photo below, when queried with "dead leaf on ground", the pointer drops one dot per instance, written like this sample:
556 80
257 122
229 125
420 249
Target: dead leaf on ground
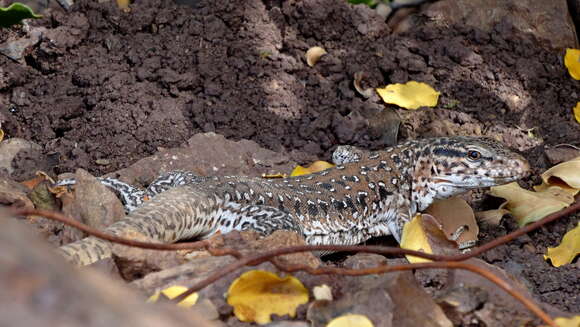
424 233
559 185
1 135
454 214
43 198
568 249
411 95
257 294
40 177
314 54
492 217
576 111
123 5
358 77
313 168
350 320
568 322
173 292
565 175
527 206
572 62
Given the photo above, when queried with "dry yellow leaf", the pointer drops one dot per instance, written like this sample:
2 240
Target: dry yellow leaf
568 322
572 62
256 294
173 292
1 135
426 234
415 238
527 206
568 172
313 168
123 4
568 249
576 111
411 95
350 320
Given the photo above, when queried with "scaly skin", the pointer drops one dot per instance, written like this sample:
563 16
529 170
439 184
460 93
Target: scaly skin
370 194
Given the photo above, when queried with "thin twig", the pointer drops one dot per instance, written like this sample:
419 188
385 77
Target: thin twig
204 244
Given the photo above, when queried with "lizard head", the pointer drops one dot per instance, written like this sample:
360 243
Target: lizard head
449 166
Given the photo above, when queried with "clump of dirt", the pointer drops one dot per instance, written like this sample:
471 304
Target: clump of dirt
104 88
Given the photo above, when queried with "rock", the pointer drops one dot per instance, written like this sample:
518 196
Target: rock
486 302
135 263
393 299
14 194
14 49
250 242
549 21
208 154
560 154
94 204
47 290
10 148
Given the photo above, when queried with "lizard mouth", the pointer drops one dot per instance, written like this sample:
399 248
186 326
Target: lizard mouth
474 181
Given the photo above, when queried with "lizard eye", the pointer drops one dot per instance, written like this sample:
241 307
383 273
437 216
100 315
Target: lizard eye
473 155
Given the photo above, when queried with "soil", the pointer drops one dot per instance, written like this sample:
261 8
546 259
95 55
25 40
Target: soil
104 88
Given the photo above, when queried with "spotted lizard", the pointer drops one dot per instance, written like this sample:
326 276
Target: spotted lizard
367 194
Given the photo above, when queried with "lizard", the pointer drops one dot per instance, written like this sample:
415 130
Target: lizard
368 194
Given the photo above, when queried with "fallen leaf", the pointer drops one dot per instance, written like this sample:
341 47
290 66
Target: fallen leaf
314 54
350 320
527 206
358 77
568 322
1 135
31 183
568 249
576 111
123 4
424 233
565 175
256 294
572 62
15 13
411 95
455 214
414 238
173 292
313 168
492 217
